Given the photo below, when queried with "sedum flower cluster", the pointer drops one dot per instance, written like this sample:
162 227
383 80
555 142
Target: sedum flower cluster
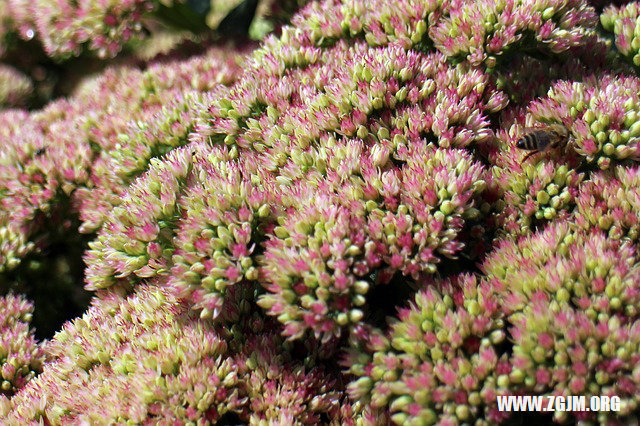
601 115
69 29
21 357
441 360
336 227
482 31
534 193
65 28
478 32
282 391
143 360
622 22
82 151
413 221
127 125
520 329
609 201
104 26
281 205
147 359
577 338
28 185
15 87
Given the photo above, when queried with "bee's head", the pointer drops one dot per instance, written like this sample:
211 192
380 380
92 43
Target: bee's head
521 143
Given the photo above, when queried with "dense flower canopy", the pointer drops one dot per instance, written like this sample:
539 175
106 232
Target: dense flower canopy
340 225
14 87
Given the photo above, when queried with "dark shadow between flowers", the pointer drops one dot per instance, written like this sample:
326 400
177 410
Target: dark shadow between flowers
230 419
384 300
52 276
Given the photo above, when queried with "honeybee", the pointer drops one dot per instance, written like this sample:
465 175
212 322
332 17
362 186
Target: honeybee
543 139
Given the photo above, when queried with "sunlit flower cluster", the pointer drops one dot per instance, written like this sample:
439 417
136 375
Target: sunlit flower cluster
609 201
385 95
144 358
536 190
480 32
283 391
225 218
21 357
571 297
134 359
339 227
600 116
440 361
90 147
157 132
294 144
28 186
601 113
317 265
485 31
519 330
622 22
132 117
136 240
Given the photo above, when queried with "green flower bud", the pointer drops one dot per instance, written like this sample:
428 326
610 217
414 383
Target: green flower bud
400 403
630 117
589 116
634 130
356 315
405 74
563 295
401 94
436 354
281 232
601 137
503 381
361 287
463 412
516 376
542 197
473 308
447 207
549 213
538 354
556 202
400 418
604 163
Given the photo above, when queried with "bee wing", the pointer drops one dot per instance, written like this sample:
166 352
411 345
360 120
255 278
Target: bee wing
531 130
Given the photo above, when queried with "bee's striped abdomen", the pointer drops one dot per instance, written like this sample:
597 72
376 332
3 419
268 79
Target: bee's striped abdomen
536 140
528 142
542 139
